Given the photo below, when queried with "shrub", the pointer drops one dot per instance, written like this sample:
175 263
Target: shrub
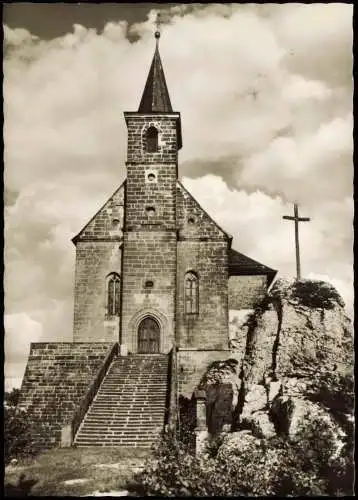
12 398
272 467
21 432
316 294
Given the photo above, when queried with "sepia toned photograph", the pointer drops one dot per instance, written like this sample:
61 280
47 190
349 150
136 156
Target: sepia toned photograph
178 249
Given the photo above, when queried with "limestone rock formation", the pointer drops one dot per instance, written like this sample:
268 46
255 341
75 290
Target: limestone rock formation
300 328
299 334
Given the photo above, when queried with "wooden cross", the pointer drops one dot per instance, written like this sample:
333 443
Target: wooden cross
254 94
297 219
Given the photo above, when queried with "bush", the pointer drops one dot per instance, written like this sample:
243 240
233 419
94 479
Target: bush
12 398
268 467
316 294
21 434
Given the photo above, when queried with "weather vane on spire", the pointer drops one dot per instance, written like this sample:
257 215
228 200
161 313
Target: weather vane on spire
157 24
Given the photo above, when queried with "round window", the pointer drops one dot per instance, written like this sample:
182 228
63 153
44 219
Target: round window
151 177
150 211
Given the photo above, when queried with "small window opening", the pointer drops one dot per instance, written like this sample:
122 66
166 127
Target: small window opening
115 222
151 177
152 140
113 295
191 220
191 291
150 211
149 284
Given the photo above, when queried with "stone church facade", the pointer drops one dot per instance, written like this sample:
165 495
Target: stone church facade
154 272
152 252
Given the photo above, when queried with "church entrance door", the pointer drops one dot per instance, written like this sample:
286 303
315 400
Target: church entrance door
148 336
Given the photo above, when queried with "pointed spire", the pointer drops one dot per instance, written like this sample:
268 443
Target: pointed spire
155 97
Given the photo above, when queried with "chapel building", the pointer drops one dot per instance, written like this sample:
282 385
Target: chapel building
156 282
153 269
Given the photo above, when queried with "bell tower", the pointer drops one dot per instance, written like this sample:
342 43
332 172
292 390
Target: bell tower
149 247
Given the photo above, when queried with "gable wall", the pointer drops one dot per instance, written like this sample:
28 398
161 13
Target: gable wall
202 248
98 253
94 261
101 226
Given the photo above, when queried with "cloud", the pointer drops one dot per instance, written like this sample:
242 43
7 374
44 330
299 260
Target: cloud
265 123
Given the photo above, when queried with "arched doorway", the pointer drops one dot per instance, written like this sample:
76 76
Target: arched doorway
148 336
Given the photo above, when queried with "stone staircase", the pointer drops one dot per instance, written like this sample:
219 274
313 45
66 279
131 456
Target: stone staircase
129 407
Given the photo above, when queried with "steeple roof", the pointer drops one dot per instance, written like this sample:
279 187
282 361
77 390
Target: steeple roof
155 98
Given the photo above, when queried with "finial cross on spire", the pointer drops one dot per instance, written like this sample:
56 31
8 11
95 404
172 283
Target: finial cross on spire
296 220
157 25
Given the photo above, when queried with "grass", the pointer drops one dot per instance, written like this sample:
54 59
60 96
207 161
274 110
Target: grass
45 474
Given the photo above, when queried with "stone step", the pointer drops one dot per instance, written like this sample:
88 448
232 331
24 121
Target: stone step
127 404
135 417
130 402
133 432
136 438
125 418
125 412
130 405
136 381
119 426
129 423
119 440
135 410
141 408
127 395
160 399
114 394
114 445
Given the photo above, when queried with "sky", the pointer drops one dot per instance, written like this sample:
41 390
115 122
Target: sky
265 95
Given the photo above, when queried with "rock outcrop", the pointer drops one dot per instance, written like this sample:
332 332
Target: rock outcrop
299 334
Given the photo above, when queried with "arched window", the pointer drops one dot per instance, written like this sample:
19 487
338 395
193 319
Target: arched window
152 140
113 294
191 284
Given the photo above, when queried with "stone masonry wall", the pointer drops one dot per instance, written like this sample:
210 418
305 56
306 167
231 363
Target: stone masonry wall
166 126
245 292
142 195
98 253
192 220
203 249
208 259
108 221
149 251
149 255
192 364
56 379
94 261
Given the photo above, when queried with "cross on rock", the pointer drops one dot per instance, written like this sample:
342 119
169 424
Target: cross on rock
296 220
